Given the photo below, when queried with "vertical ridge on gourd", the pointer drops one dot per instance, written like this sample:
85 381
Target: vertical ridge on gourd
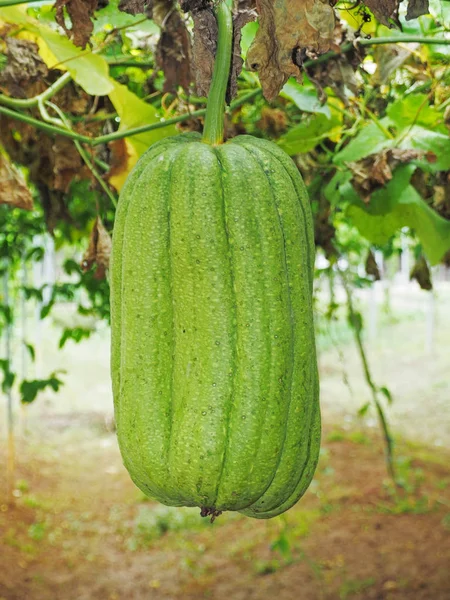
213 356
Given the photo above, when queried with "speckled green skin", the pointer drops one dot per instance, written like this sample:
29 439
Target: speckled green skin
213 356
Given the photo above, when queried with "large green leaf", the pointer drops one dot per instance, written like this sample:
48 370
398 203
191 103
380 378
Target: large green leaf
305 98
308 134
399 205
134 112
414 109
369 140
89 70
420 138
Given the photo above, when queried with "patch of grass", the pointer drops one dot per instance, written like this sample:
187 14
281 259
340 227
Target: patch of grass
37 531
153 522
446 522
33 501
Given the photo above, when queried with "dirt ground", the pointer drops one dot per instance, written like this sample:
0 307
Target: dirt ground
78 529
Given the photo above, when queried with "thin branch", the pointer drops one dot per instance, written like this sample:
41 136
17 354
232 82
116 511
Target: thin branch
42 97
44 126
368 376
117 135
404 39
4 3
5 100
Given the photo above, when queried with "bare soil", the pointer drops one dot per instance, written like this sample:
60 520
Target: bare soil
80 530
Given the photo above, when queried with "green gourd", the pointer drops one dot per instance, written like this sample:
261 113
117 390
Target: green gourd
213 355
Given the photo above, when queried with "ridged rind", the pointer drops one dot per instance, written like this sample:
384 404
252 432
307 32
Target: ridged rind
213 356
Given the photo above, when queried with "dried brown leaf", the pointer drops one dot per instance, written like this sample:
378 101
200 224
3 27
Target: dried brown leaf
13 188
289 32
80 13
376 170
389 57
204 48
417 8
273 121
421 273
385 11
24 65
135 7
240 19
372 267
99 250
173 53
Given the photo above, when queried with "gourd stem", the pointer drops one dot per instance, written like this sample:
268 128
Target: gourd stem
213 129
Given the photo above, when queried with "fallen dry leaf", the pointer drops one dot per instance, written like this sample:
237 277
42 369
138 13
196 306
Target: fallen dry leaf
99 250
13 188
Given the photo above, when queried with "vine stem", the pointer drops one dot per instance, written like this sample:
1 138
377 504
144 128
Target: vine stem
389 440
40 98
6 101
84 155
118 135
214 125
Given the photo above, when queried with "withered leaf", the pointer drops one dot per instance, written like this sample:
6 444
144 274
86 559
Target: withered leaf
80 13
135 7
421 273
371 173
23 65
240 19
173 53
324 230
372 267
99 250
389 57
289 31
385 11
417 8
204 48
13 189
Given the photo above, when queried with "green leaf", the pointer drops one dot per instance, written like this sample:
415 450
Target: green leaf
8 375
31 350
369 140
76 334
363 410
414 109
305 98
134 112
308 134
89 70
110 17
420 138
399 205
29 389
387 394
248 33
355 321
